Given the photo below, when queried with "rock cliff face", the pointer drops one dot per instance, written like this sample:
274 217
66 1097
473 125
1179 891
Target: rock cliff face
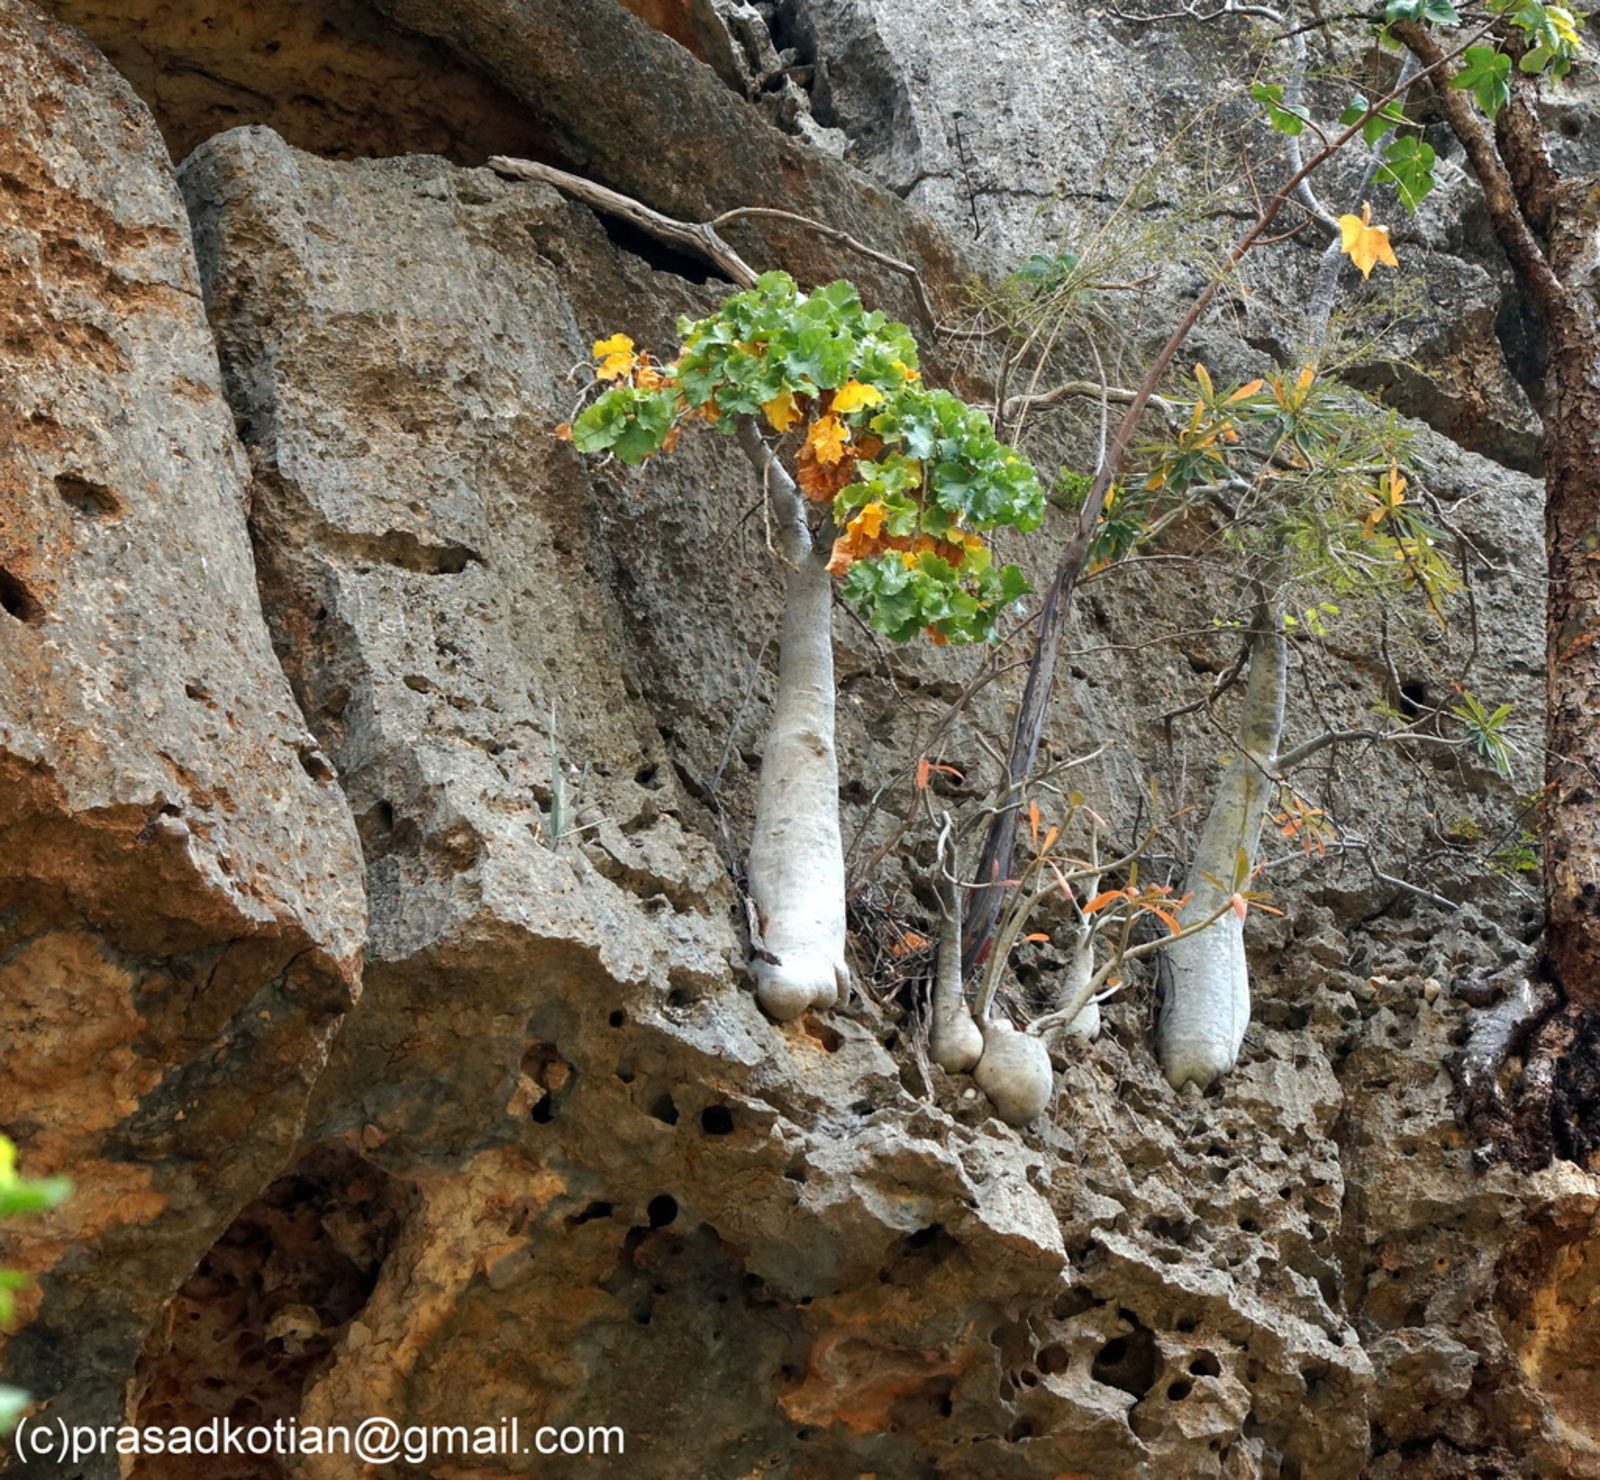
371 944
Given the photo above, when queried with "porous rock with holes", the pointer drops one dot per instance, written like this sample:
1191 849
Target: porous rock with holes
183 907
557 1159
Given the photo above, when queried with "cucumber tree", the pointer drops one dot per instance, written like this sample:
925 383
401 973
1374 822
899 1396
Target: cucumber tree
876 482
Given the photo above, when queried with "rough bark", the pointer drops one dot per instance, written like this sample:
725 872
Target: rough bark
1547 227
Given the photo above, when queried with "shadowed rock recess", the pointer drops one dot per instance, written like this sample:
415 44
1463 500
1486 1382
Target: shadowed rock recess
369 948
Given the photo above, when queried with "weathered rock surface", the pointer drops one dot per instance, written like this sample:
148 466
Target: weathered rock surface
183 911
557 1165
330 75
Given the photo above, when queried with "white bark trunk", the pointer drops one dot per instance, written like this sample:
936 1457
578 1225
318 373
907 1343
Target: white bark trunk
1085 1027
955 1042
796 866
1206 986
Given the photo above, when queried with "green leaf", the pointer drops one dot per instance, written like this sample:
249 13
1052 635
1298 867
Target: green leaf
1487 75
1391 115
31 1197
627 421
1287 118
1408 166
1438 12
12 1403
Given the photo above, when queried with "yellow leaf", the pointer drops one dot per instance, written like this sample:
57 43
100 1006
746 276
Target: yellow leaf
1365 244
615 355
781 411
869 522
853 395
827 439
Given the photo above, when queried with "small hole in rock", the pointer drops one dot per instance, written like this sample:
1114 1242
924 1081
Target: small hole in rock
544 1111
1206 1365
1073 1303
1052 1358
590 1214
1180 1390
716 1120
662 1210
83 497
829 1038
18 600
1020 1430
618 1018
624 1072
1127 1362
664 1110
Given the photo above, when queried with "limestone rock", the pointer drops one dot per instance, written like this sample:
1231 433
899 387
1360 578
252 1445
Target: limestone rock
183 909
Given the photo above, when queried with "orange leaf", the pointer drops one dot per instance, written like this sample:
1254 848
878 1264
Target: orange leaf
564 431
869 522
827 438
924 772
1169 921
1238 906
1036 936
1033 820
1100 901
1061 879
1049 840
907 944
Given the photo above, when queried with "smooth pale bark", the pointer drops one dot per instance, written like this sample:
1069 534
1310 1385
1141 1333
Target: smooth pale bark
1075 980
1206 997
955 1043
1014 1073
795 874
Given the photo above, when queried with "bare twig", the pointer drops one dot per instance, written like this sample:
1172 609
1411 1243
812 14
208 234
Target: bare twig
1052 617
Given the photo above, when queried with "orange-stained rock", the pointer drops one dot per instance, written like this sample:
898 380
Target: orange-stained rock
181 904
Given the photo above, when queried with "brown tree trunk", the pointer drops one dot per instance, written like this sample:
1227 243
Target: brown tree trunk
1549 228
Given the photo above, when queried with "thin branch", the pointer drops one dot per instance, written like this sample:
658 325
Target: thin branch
1052 616
703 237
894 264
700 238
